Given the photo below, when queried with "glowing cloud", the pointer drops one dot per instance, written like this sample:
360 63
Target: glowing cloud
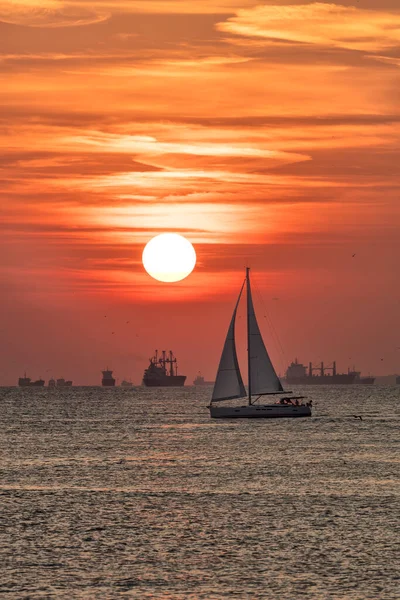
50 13
318 23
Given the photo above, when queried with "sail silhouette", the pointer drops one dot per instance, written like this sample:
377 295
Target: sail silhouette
262 377
229 382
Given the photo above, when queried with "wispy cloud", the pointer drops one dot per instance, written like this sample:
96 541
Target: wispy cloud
319 24
266 131
68 13
49 13
257 125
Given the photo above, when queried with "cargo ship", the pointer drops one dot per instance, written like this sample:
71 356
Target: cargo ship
298 374
163 371
201 381
108 380
398 380
59 383
62 383
126 383
27 382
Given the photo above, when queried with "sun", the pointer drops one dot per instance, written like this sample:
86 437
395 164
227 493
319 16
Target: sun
169 257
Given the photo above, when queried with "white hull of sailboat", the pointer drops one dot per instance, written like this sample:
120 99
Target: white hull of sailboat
257 411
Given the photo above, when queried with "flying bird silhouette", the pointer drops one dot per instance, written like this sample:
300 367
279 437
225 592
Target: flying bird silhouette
353 255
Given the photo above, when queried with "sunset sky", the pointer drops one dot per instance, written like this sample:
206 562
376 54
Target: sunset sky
267 133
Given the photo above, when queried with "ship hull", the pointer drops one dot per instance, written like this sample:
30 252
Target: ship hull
38 383
167 381
108 383
259 411
24 382
324 380
365 380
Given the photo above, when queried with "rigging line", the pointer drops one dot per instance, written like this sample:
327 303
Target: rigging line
270 322
274 332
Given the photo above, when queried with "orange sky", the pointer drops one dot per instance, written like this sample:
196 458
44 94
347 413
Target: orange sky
265 132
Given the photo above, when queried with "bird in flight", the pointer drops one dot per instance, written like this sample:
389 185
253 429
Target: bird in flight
353 255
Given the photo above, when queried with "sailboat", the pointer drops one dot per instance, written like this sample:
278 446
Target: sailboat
262 378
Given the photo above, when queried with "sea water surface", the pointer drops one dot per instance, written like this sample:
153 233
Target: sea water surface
137 493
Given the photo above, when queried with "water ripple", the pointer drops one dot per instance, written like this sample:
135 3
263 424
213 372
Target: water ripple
137 493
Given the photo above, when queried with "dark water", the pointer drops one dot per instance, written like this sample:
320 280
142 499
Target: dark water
137 493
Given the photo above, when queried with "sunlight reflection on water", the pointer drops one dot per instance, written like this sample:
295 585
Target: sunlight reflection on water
109 493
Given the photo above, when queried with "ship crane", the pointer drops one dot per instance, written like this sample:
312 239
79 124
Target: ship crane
165 360
321 368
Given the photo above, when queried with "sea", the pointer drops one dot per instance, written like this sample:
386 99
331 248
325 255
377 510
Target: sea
137 493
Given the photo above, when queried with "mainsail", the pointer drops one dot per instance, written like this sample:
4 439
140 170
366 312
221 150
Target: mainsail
229 383
262 374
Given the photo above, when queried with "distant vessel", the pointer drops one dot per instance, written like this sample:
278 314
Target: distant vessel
62 383
27 382
201 381
297 374
125 383
398 380
263 380
163 371
52 383
362 380
108 380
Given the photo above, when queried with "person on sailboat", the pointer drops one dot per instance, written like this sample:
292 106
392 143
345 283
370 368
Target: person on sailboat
285 401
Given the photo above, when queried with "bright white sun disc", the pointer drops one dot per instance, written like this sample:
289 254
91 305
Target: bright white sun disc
169 257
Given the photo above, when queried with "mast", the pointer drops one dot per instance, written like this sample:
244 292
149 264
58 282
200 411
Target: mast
248 332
